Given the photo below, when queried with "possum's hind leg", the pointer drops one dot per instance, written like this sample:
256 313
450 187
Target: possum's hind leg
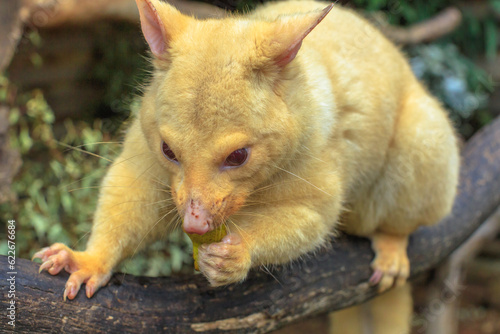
417 185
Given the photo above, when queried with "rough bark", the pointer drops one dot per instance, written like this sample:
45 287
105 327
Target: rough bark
334 278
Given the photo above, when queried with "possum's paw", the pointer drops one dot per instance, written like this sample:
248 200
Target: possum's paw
224 262
83 267
391 265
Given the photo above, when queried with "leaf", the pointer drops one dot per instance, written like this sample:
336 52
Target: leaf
40 224
176 257
490 32
25 140
495 4
57 168
14 116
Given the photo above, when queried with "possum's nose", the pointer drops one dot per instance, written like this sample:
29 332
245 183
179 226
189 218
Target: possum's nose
197 219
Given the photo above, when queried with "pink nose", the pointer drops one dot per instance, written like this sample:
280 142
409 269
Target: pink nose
197 219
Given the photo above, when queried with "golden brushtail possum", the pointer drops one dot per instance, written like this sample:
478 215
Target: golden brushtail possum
283 125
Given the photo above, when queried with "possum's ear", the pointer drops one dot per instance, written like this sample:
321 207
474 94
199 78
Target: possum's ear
160 23
284 36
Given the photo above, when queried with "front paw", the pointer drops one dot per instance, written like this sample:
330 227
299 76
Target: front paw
83 268
224 262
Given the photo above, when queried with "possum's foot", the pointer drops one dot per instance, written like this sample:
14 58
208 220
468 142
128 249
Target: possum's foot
83 267
390 265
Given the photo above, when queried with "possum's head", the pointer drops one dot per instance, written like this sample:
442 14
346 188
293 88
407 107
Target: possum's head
216 113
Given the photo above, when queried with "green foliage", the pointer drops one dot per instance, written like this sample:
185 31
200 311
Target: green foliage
121 69
479 35
46 210
403 12
455 80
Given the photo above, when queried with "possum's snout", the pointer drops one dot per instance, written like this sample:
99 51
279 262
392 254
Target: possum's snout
197 219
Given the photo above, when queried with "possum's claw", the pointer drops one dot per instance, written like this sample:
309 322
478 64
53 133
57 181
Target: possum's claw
391 265
83 267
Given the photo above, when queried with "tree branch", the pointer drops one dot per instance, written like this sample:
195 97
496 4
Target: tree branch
11 28
37 14
429 30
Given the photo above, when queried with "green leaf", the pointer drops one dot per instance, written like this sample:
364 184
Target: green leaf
66 202
14 116
495 4
36 59
176 257
40 224
490 33
3 248
25 140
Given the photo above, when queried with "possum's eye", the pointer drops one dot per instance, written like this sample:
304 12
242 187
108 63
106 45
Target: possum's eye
237 158
168 153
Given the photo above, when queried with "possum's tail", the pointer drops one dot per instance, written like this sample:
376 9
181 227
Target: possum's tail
389 313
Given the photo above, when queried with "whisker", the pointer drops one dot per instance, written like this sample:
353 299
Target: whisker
310 155
269 272
144 200
83 151
142 173
273 185
149 231
316 187
116 214
98 170
250 214
103 186
226 227
154 177
163 184
175 224
96 143
239 228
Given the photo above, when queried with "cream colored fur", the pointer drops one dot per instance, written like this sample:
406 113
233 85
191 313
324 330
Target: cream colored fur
341 137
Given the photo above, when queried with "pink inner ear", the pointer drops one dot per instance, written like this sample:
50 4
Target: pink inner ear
287 56
152 28
291 52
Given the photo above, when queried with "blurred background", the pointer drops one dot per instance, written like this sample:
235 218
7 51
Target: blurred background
73 79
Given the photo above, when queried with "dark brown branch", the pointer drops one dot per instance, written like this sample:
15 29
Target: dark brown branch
50 13
333 279
436 27
11 28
